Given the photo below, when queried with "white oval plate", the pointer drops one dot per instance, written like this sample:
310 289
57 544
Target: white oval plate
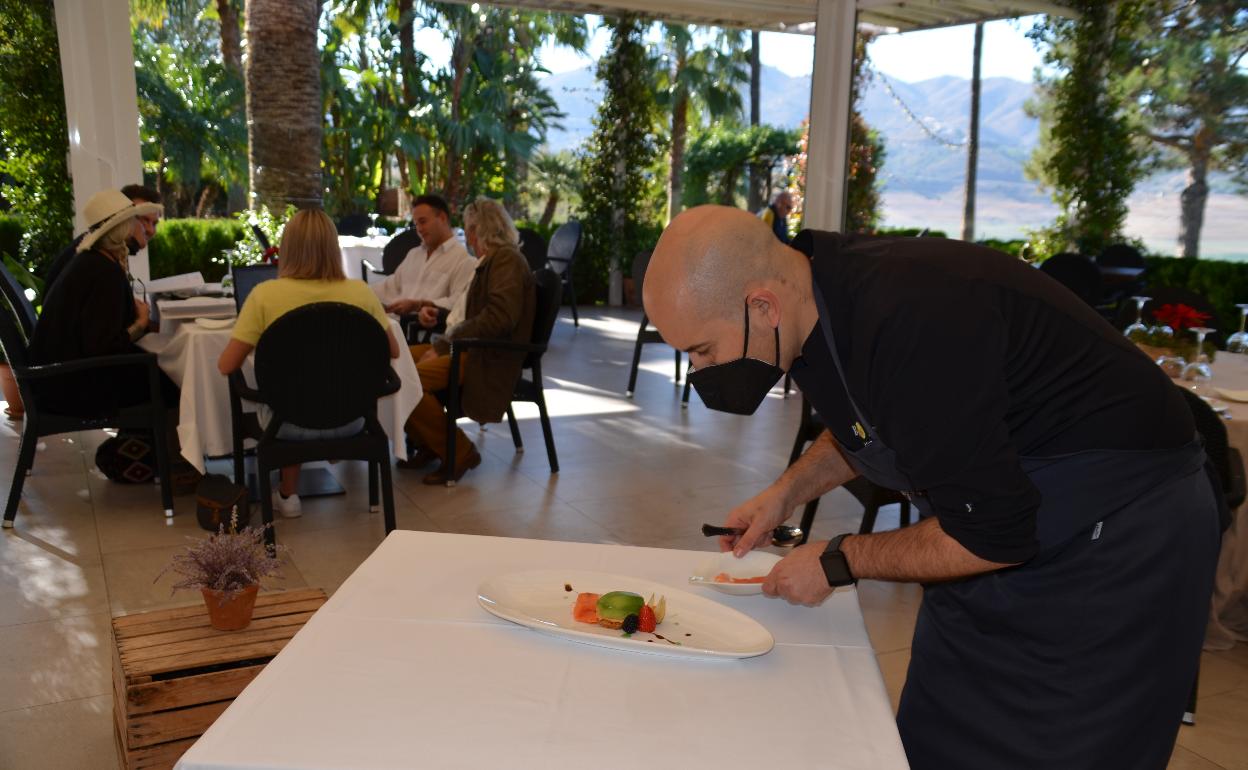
1239 396
701 628
753 564
215 323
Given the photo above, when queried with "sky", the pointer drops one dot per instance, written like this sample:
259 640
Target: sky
907 57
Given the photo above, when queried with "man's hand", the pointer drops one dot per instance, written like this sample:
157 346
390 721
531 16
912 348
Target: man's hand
142 312
428 355
799 577
758 516
405 306
428 316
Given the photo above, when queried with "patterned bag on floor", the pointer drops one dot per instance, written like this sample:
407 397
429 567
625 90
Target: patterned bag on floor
127 458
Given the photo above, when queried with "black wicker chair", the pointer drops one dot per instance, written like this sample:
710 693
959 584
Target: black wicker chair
248 277
646 335
355 225
1077 273
40 422
22 307
533 246
392 255
549 286
318 366
871 495
565 244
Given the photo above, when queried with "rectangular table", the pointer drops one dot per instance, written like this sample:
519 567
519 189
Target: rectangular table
402 668
188 354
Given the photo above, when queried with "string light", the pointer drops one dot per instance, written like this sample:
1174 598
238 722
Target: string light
913 118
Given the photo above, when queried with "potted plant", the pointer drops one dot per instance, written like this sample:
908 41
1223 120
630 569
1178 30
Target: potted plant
1170 342
227 569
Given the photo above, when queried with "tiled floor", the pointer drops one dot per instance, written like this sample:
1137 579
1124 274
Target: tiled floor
639 471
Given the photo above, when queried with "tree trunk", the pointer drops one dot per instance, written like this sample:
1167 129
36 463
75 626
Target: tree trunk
680 131
231 47
1192 200
759 175
460 61
407 51
552 202
972 140
206 199
283 77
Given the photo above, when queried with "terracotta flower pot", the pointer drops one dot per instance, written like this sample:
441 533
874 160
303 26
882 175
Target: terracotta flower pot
11 394
232 614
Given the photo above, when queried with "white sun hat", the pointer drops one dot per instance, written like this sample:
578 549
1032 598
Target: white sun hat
109 208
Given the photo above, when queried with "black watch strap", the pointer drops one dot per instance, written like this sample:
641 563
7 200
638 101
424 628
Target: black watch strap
835 565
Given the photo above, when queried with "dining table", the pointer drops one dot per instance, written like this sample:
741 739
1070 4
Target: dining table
1228 618
356 248
188 350
404 668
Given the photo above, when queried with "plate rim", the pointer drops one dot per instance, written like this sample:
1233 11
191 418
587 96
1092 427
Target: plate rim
620 643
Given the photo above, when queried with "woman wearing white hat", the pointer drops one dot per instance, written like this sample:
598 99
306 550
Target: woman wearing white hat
92 311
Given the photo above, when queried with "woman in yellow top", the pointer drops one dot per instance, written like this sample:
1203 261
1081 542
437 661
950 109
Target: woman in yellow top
309 270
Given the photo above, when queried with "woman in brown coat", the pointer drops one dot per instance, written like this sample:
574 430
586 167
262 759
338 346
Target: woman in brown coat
498 305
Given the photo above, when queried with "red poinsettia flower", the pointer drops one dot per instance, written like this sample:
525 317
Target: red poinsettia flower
1180 316
270 254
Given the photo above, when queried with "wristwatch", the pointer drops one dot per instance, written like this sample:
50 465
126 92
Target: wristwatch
835 565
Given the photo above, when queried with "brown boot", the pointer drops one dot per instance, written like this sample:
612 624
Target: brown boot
472 460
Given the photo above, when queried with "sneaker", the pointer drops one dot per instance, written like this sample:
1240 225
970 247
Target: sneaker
288 507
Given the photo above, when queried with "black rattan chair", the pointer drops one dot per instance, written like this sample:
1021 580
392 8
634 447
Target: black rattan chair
565 244
1077 273
871 495
646 335
248 277
354 225
22 307
392 255
40 422
548 286
318 366
533 246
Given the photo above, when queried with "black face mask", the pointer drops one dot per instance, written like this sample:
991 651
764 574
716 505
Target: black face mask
739 386
132 245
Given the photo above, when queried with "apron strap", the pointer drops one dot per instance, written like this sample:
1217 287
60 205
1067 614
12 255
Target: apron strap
830 339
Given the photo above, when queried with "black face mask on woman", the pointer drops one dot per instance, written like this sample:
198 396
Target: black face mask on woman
739 386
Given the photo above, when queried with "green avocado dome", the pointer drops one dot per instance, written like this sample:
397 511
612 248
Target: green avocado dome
618 605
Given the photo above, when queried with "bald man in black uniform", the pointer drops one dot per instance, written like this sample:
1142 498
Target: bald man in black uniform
1071 525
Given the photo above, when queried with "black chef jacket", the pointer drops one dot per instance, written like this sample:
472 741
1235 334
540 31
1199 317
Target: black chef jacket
966 359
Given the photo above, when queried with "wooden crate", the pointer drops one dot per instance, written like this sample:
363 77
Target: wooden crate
173 673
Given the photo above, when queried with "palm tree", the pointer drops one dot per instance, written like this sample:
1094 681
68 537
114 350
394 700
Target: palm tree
708 77
555 175
283 102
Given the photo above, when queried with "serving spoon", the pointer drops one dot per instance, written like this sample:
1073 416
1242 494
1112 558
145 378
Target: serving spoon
782 536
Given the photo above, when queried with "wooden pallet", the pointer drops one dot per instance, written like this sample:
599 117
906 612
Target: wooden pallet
174 674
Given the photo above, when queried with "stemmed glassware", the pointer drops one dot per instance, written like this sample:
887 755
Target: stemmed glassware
1238 342
1138 328
373 231
1198 373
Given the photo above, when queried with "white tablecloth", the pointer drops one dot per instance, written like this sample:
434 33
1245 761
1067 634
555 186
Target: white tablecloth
1228 621
354 249
188 353
402 668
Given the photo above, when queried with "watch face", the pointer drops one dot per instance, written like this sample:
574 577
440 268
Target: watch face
836 568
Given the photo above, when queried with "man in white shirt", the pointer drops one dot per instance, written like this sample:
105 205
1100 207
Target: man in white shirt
437 272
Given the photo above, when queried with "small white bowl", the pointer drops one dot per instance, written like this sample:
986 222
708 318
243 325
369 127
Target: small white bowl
753 564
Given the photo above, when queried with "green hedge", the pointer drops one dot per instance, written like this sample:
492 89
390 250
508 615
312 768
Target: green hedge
10 236
187 245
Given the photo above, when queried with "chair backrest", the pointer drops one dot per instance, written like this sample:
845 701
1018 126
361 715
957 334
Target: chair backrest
247 277
640 263
1077 273
261 238
354 224
12 336
549 287
1121 255
564 245
323 365
1211 428
16 295
396 250
533 246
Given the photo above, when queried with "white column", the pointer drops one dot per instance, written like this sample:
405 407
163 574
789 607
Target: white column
101 102
827 156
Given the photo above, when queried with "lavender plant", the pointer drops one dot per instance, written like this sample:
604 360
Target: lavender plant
226 561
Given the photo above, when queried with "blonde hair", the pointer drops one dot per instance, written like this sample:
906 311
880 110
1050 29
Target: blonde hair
492 224
113 241
309 249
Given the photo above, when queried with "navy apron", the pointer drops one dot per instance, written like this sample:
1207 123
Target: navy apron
1084 656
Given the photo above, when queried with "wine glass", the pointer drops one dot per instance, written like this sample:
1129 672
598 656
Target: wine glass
1198 373
1138 329
1238 342
373 231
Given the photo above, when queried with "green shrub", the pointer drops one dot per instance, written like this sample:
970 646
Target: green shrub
1223 283
187 245
1012 247
10 236
910 232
